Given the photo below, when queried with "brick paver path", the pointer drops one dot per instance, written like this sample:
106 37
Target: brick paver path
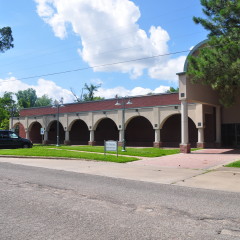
201 159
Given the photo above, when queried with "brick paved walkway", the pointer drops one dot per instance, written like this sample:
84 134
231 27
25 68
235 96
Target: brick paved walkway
201 159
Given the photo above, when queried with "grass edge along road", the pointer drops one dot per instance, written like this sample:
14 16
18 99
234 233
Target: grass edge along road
89 152
234 164
130 151
38 151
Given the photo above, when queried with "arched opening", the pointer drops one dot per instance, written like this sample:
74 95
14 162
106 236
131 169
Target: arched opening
171 132
79 133
19 130
52 133
34 133
139 132
106 130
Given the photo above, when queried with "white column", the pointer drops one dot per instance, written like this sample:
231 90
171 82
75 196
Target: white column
184 122
91 136
120 135
27 133
66 135
200 135
157 135
45 136
218 124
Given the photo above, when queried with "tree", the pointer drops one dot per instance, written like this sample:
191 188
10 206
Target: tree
218 63
8 108
43 101
26 98
6 39
172 90
90 89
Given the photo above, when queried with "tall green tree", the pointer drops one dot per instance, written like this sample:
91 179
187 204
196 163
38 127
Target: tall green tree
43 101
26 98
6 39
8 109
218 63
91 89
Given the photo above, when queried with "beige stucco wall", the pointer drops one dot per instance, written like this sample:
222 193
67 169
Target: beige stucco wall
156 116
196 92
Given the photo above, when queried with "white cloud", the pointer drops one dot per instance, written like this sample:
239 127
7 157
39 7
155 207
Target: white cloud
43 87
168 70
54 91
110 33
122 92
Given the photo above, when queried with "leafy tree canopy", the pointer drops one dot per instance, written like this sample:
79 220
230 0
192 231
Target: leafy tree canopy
43 101
218 63
6 39
89 95
172 90
26 98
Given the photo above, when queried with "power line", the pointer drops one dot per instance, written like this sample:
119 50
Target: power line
106 65
99 66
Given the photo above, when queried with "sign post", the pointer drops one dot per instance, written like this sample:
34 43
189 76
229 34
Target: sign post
42 130
110 146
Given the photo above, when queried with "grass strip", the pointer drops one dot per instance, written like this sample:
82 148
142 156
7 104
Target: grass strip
234 164
44 151
139 152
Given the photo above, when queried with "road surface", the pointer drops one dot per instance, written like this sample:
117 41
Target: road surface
38 203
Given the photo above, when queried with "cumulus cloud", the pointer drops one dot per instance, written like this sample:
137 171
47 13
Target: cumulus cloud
43 87
165 71
110 33
122 92
54 91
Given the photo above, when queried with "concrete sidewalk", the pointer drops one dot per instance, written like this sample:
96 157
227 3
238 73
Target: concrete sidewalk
200 169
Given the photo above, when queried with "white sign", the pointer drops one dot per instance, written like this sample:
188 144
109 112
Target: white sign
42 131
111 145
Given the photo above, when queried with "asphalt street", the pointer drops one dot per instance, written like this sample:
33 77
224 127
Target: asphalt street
39 203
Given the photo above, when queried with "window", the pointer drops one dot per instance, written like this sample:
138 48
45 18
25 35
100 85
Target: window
13 135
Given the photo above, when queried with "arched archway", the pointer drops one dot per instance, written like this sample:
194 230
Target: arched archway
139 132
106 130
52 133
19 130
171 132
79 133
34 133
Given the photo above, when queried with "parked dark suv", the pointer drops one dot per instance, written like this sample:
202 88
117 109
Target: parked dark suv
9 139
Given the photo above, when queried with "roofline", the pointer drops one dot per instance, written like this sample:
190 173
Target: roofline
109 99
191 53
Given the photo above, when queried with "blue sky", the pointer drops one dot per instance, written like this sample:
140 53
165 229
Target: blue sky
52 36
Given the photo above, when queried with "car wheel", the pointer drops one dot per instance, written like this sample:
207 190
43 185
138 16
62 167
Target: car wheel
25 146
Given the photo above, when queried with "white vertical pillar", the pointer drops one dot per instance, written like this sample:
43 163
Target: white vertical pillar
218 125
200 135
27 133
184 122
120 135
66 135
91 136
157 135
45 136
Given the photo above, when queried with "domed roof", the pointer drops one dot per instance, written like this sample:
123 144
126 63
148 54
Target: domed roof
192 52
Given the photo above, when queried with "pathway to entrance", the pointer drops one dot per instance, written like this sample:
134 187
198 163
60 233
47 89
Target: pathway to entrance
200 159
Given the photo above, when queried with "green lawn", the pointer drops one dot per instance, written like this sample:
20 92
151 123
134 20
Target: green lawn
234 164
44 151
139 152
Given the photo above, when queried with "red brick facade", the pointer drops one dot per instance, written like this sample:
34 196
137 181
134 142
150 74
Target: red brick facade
137 102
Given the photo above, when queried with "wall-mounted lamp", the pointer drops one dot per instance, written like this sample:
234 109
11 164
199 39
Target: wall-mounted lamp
136 110
175 107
